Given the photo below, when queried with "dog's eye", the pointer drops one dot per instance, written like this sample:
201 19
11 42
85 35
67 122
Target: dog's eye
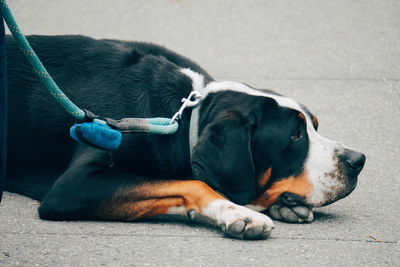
297 135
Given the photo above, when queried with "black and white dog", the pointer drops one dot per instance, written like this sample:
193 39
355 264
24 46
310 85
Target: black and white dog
250 147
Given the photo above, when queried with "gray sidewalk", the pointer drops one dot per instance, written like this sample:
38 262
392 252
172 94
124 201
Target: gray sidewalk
340 58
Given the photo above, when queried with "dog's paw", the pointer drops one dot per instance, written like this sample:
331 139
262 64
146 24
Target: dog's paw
239 221
296 214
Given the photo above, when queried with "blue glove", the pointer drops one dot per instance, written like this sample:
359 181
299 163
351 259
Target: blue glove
96 134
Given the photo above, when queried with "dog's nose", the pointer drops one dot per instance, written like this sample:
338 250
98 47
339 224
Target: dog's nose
354 159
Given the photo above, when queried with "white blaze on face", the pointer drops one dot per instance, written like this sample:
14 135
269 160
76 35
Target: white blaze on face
322 166
322 163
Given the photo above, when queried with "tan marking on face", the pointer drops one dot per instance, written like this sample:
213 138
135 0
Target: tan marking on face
299 185
315 121
264 178
301 116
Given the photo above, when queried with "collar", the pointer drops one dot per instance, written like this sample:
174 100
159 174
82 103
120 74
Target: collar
194 129
198 84
194 120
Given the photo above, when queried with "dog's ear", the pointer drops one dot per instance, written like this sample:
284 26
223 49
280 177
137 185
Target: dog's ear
223 158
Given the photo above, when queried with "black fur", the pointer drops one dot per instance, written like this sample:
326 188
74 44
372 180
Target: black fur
241 136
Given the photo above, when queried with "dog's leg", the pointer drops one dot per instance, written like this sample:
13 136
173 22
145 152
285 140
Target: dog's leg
186 197
100 198
91 189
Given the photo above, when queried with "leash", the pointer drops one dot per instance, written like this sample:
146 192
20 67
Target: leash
104 133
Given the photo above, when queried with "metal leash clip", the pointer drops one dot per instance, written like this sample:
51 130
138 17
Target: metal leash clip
187 102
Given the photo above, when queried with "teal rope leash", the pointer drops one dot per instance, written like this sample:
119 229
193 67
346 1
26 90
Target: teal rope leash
37 65
99 132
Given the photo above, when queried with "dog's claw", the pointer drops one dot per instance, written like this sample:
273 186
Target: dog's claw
192 214
237 227
253 232
274 212
301 211
288 215
248 220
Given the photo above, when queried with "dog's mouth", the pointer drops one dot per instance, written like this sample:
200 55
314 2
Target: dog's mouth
331 194
334 187
292 199
338 193
328 189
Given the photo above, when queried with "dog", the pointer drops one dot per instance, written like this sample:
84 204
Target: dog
251 150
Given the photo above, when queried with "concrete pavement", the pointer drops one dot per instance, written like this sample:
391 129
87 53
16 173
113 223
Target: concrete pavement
340 58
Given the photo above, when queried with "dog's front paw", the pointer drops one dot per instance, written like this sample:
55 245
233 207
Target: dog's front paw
296 214
239 221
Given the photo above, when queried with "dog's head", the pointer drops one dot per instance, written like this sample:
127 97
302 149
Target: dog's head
260 144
